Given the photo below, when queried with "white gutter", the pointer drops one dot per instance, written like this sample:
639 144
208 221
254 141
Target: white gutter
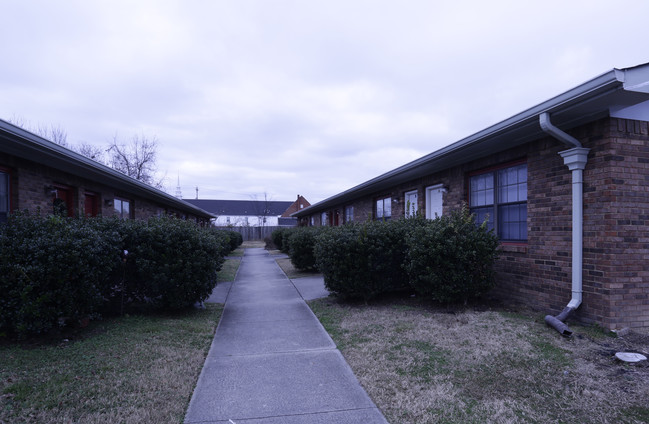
575 158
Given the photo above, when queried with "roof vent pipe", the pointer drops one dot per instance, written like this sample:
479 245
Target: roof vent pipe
575 158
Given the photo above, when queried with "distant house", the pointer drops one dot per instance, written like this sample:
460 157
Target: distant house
39 175
564 185
251 213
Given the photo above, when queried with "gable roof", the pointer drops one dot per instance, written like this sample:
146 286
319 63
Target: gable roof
241 207
620 93
21 143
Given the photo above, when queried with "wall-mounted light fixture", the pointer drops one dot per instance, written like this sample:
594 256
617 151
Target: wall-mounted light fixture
108 202
49 189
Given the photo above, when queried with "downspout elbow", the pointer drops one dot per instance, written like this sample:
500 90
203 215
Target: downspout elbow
548 128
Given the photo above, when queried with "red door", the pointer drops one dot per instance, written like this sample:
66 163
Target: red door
91 205
62 201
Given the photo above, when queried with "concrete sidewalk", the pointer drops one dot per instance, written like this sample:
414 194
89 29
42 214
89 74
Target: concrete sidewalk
272 362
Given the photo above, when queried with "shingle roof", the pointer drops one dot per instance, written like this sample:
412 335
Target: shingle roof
241 207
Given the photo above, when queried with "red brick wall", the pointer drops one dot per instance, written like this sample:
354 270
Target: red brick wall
28 190
616 223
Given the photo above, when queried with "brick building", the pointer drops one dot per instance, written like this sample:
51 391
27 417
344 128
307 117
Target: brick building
38 175
564 184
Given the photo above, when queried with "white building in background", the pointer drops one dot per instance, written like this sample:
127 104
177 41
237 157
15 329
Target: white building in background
251 213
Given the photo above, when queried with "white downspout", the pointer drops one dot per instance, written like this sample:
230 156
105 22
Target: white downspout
575 158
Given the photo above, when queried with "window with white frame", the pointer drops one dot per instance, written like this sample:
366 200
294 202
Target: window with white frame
412 206
349 214
384 208
500 195
4 196
122 208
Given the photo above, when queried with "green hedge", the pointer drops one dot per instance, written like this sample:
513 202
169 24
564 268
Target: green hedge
301 242
55 270
363 260
277 237
171 263
286 239
450 259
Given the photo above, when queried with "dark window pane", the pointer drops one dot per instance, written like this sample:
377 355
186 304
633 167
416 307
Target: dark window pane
482 213
512 222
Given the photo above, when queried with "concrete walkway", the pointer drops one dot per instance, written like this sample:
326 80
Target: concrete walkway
272 362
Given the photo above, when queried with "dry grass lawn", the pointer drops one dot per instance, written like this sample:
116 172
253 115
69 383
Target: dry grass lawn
133 369
425 364
292 272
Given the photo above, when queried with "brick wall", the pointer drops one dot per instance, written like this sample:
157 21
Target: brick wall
29 183
616 223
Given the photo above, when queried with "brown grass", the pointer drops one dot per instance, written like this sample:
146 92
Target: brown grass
292 272
424 364
137 369
253 244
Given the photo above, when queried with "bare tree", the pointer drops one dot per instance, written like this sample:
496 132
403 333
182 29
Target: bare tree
54 133
136 159
262 209
92 152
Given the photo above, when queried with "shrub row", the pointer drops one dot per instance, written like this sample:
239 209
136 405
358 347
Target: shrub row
449 259
298 243
54 269
363 260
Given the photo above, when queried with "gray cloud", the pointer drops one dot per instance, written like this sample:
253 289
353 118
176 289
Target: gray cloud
287 97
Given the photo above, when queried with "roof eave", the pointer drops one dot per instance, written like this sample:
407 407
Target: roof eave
32 147
568 109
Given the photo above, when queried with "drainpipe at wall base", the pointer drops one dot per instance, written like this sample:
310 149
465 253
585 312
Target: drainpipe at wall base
575 158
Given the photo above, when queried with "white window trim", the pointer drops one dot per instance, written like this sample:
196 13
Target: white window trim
429 190
407 210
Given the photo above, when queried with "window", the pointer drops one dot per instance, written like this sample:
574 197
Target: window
384 208
412 205
4 196
323 219
122 208
349 214
501 195
312 221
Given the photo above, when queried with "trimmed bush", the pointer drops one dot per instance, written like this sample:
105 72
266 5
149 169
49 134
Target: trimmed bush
301 243
277 237
450 259
364 260
53 270
226 239
286 239
236 239
171 263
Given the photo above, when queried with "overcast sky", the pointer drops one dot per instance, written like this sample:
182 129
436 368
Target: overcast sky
265 97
